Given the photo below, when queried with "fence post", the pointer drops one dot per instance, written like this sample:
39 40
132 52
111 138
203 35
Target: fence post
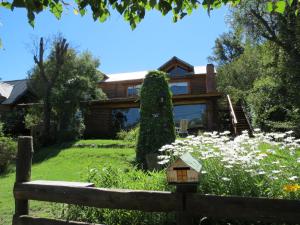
23 172
183 217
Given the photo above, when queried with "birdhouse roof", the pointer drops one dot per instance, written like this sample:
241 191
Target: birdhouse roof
188 159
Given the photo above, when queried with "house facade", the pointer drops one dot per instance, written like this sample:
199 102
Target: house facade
194 99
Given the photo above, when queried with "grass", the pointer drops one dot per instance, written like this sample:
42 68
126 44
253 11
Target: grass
67 163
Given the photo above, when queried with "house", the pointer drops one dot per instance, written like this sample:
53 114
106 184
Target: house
194 99
13 93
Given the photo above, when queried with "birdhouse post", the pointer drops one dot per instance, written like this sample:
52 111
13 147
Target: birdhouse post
184 173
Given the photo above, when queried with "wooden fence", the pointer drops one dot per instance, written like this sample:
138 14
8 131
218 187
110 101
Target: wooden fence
184 205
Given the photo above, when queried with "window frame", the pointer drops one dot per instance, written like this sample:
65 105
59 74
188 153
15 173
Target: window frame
181 82
137 87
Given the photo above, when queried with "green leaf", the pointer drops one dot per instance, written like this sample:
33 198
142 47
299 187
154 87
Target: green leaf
31 17
290 2
270 6
82 12
56 9
280 6
152 3
1 46
6 5
104 17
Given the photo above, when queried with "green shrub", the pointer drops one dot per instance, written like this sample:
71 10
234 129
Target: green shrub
156 123
1 129
8 149
117 178
130 136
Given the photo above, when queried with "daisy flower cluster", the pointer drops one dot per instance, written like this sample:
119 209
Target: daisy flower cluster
260 165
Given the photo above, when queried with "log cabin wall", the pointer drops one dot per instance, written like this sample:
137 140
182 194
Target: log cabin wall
98 118
118 89
196 84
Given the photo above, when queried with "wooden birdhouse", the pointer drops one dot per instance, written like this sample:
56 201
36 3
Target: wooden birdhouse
185 170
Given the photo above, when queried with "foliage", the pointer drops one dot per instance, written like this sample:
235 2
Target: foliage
266 165
130 136
111 177
266 74
237 78
76 81
132 11
33 116
1 129
264 104
156 123
227 47
13 122
8 149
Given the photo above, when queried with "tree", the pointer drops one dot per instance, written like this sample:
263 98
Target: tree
261 21
266 74
156 124
62 81
49 75
237 77
227 47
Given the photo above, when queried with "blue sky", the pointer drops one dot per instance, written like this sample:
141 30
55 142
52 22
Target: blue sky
153 42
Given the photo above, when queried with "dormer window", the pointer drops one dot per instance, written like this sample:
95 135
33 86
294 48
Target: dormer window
177 71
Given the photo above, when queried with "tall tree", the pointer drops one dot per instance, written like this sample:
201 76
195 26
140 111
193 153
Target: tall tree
156 124
228 46
62 80
48 78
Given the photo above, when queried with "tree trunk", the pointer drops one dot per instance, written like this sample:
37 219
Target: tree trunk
47 117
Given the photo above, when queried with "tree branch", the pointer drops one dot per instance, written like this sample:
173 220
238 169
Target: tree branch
40 61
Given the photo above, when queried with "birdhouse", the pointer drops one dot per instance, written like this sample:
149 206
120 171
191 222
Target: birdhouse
185 170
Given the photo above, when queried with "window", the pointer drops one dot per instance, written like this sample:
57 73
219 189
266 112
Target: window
125 119
179 88
195 114
128 118
177 71
133 90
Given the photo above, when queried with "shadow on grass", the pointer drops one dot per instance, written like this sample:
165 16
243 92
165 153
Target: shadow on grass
49 152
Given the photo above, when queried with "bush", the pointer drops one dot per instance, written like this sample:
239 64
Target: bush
130 136
8 149
117 178
156 123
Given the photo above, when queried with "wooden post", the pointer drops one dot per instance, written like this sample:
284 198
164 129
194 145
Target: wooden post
183 217
23 171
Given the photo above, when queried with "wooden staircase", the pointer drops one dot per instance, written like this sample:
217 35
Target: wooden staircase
239 120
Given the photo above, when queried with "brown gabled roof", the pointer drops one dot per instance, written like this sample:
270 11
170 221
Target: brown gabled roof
176 60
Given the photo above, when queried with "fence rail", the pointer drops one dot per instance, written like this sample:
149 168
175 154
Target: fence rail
185 205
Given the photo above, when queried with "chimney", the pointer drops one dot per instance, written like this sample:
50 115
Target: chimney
210 78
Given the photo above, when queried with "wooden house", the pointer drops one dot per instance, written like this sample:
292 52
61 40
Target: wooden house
194 99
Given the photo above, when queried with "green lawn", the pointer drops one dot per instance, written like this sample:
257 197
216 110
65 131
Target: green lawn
67 163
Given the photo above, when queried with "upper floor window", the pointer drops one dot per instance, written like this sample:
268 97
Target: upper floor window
179 88
177 71
133 90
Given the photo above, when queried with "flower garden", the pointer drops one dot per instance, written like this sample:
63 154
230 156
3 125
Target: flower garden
266 165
